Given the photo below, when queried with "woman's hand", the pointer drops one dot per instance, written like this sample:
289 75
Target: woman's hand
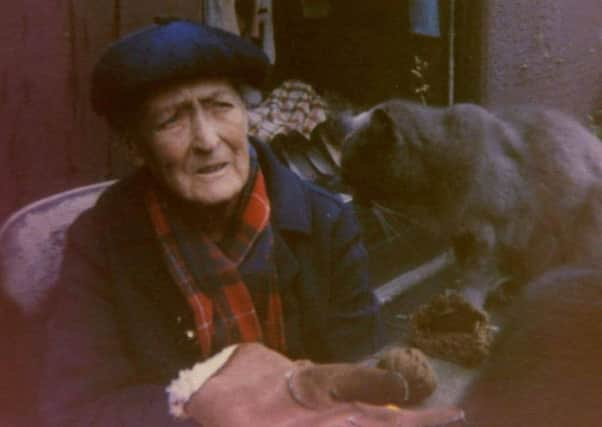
257 386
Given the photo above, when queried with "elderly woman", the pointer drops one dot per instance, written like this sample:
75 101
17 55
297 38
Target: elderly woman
210 243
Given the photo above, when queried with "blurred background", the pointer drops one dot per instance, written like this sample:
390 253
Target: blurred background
488 51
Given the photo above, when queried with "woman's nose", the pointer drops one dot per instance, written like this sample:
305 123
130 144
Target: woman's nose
204 132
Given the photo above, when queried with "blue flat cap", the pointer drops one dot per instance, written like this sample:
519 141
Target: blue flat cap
158 55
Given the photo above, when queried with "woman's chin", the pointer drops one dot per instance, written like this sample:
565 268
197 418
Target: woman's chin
212 195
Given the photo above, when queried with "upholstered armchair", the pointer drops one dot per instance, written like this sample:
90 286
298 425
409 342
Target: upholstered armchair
31 244
31 251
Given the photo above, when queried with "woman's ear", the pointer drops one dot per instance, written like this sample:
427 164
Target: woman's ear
133 150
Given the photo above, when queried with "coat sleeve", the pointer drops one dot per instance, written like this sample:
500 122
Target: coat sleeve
87 378
355 326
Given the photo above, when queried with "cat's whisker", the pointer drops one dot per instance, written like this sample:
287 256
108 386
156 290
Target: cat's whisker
389 229
398 215
387 209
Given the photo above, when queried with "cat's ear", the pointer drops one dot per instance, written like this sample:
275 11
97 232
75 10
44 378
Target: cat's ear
383 125
463 117
381 119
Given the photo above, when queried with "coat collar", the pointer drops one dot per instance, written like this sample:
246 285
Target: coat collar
290 205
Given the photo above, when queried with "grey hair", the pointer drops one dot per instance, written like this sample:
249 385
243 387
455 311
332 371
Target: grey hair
250 95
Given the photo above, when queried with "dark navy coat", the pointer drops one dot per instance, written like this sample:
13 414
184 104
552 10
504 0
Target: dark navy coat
118 326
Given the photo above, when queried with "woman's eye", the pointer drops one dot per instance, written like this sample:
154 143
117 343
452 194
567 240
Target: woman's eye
169 120
220 105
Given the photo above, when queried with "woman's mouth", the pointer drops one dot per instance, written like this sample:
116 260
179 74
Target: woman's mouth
211 169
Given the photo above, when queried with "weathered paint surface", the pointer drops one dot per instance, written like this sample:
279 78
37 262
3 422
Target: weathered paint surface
543 51
50 140
36 123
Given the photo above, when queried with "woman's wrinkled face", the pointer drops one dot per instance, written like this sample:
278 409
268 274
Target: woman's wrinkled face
194 139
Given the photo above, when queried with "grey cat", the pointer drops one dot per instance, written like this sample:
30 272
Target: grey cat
517 191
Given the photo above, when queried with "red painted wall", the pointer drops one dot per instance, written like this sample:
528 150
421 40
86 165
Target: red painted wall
36 124
50 140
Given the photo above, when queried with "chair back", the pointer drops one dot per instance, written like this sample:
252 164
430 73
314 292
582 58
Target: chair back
32 242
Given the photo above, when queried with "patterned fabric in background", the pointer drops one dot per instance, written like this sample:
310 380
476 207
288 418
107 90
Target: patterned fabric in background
292 106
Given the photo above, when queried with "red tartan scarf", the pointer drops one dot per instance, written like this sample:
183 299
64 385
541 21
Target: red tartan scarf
209 276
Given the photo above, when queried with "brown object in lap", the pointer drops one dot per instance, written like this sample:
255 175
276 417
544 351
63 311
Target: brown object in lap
257 386
452 329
